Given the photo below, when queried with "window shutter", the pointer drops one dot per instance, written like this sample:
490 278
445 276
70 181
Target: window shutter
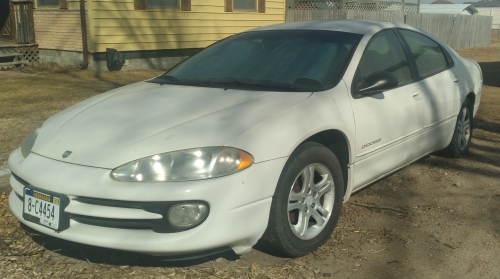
185 5
63 4
262 6
228 6
139 4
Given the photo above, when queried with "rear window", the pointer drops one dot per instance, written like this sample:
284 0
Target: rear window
428 55
295 60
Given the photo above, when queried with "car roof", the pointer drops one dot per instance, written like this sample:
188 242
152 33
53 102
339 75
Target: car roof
342 25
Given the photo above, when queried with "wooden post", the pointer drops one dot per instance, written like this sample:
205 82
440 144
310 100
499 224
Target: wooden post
13 22
83 26
31 22
404 6
376 6
418 6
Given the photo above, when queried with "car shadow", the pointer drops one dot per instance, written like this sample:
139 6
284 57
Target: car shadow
72 251
491 71
486 125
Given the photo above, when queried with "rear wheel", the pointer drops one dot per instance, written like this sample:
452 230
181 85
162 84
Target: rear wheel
307 202
462 136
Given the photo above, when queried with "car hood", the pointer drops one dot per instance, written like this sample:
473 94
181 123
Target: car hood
144 119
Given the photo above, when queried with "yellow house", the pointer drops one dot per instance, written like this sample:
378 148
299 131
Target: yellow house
149 33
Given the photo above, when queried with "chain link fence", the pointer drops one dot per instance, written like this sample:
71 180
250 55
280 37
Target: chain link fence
364 6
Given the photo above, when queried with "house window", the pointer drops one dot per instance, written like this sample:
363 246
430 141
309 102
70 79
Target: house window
162 4
245 5
184 5
61 4
48 3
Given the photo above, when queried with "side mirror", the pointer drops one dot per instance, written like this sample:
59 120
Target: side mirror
378 81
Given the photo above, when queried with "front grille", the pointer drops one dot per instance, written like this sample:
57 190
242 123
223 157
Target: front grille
24 183
156 225
19 196
20 180
112 223
155 207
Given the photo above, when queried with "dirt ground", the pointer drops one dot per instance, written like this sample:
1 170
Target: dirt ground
438 218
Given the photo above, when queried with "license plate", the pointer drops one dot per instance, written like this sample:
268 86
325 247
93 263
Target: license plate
42 208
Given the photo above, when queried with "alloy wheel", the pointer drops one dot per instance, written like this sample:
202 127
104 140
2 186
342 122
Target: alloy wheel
464 128
311 201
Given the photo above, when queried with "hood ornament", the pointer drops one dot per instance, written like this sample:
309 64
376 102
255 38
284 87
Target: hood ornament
66 154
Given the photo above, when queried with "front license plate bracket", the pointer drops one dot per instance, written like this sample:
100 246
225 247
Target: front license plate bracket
62 201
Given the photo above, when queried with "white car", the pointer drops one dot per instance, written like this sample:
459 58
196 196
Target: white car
261 136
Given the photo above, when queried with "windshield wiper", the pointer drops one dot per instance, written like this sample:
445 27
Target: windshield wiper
230 82
276 85
261 84
164 79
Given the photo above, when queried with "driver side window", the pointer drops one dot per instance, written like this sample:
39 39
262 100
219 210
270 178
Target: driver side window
384 53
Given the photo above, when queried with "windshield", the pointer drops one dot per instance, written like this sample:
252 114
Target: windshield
282 60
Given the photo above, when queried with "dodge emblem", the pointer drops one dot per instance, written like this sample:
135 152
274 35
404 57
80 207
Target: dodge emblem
66 154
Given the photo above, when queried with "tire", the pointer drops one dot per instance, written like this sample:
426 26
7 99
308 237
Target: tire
303 218
462 135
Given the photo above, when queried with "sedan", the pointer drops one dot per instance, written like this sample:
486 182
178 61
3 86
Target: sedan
259 137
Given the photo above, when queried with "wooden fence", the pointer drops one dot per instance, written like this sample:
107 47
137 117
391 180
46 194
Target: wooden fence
302 15
458 31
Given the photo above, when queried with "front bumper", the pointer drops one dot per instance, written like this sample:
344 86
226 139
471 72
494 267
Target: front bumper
239 205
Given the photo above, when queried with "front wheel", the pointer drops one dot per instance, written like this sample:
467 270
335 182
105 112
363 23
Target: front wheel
307 202
462 135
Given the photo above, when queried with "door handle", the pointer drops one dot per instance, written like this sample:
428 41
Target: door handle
455 80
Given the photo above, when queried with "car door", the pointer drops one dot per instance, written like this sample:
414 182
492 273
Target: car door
386 122
439 85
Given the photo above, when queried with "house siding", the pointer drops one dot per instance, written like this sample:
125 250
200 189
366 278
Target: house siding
58 29
115 24
73 5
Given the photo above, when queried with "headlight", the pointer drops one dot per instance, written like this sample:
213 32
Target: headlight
191 164
29 142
